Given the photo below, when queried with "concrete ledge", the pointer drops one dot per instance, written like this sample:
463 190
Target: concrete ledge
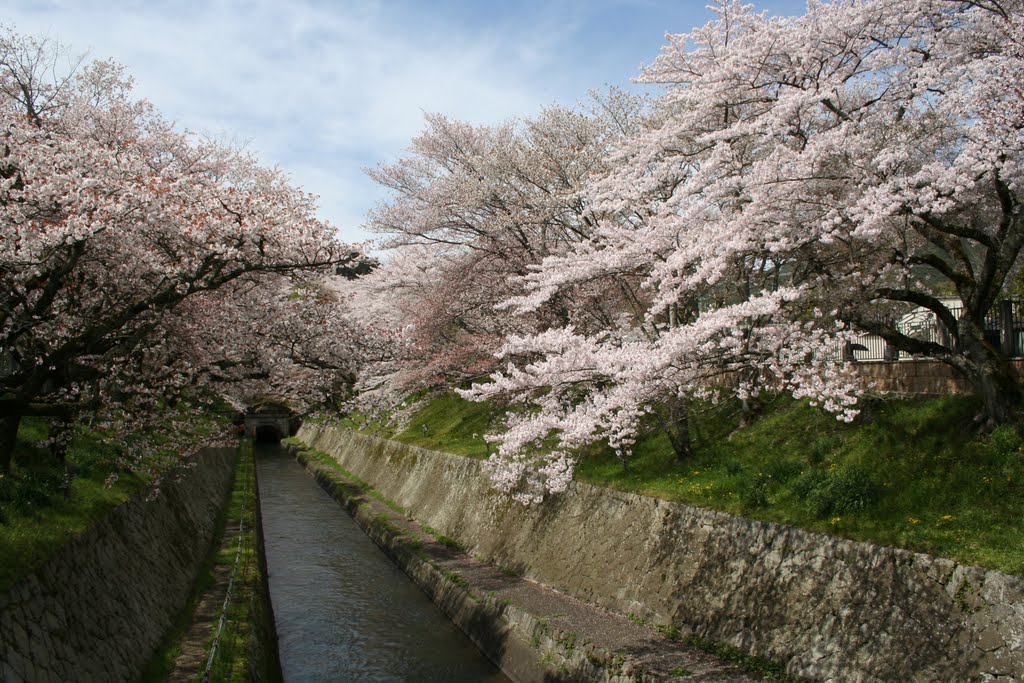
531 632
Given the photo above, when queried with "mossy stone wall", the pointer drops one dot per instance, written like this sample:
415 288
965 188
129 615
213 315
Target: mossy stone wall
98 609
832 609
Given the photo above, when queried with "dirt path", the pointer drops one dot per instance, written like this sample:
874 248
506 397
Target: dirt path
190 664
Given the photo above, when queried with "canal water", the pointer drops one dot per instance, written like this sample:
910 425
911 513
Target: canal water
344 611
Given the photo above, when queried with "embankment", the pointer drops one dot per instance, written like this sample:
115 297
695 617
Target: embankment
99 607
832 609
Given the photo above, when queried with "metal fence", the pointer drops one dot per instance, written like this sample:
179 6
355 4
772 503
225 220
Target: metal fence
1004 329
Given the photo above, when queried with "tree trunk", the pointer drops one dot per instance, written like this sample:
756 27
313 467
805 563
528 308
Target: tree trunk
8 437
995 383
992 377
750 410
61 434
676 425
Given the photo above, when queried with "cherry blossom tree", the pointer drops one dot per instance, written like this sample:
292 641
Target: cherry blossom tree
440 317
874 147
253 336
116 227
474 208
803 177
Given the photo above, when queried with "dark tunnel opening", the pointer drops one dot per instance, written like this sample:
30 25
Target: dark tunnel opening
267 434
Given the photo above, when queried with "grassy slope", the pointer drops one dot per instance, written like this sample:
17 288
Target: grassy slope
36 517
38 514
907 473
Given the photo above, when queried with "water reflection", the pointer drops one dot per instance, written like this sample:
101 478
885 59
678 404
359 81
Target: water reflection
344 611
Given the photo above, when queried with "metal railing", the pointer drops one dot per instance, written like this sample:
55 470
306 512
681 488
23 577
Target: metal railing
1004 330
215 647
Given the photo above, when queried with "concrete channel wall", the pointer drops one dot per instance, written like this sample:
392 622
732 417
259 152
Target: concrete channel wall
97 610
832 609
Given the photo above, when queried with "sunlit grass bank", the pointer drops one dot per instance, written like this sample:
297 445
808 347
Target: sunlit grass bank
41 508
44 503
914 473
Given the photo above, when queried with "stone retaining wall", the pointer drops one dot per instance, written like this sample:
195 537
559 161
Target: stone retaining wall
916 377
831 609
97 610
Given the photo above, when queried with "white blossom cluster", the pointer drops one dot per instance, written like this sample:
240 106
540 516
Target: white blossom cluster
139 263
798 181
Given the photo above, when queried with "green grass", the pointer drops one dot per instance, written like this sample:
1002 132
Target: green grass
39 513
41 508
446 541
761 668
910 473
28 540
444 422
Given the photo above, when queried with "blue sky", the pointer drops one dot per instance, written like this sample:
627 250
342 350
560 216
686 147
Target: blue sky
326 88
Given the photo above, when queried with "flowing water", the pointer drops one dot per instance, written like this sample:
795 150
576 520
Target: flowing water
344 611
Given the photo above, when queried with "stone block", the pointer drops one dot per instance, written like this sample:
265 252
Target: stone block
9 675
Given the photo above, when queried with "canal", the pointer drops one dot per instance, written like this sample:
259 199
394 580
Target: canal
344 611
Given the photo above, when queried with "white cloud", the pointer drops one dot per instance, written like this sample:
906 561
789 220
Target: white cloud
324 88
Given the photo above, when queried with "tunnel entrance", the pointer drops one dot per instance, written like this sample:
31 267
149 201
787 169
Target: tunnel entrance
267 434
270 421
